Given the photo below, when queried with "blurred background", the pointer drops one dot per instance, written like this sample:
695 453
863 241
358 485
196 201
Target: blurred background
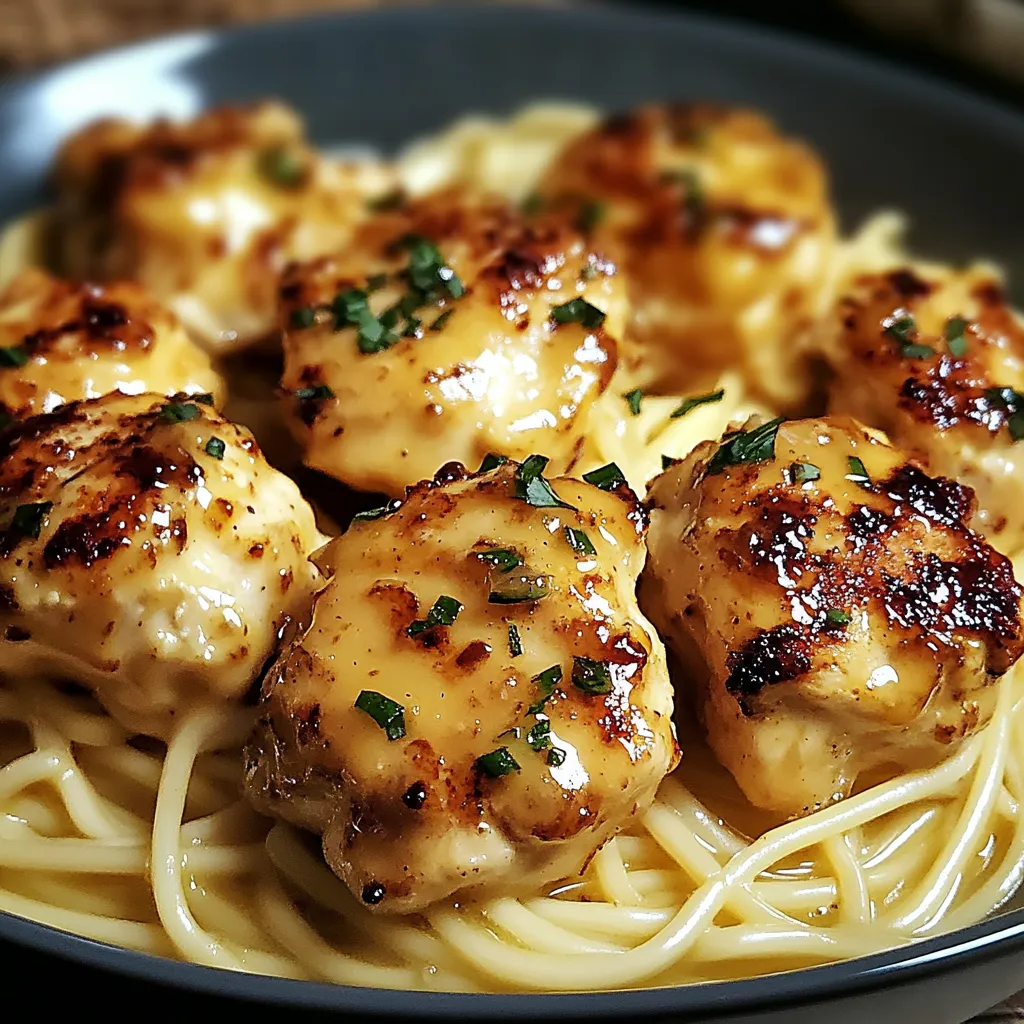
977 41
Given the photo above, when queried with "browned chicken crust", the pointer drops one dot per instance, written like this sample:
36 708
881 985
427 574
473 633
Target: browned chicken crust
567 680
835 613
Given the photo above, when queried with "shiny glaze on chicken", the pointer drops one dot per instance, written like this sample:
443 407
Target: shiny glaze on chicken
536 706
147 551
833 612
936 359
436 337
62 341
724 229
205 213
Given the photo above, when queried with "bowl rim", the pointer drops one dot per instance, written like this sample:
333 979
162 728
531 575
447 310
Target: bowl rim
996 936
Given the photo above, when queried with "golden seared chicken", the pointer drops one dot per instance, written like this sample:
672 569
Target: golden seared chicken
832 611
149 552
725 231
479 703
448 329
936 359
205 213
62 341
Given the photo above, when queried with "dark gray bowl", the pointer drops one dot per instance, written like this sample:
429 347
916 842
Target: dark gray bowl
954 162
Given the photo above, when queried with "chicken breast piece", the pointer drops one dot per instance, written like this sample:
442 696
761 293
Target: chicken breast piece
936 359
61 341
448 329
148 552
206 213
478 704
725 231
832 612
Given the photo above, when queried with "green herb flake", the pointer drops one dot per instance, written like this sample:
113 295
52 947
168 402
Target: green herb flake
857 473
215 448
206 398
916 351
438 324
444 613
388 714
492 461
427 269
697 400
539 737
180 412
746 446
393 200
591 214
837 617
282 166
580 543
592 677
556 757
607 478
956 337
503 559
804 472
1011 402
578 311
13 356
519 587
515 642
545 682
28 519
303 318
377 513
497 763
531 486
901 329
375 282
317 393
633 399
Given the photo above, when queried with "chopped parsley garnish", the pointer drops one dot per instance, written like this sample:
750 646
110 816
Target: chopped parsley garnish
388 714
438 324
28 519
956 339
1011 402
303 317
633 399
916 351
901 329
578 311
804 472
318 392
590 216
531 486
608 478
592 677
377 513
206 398
497 763
539 737
282 166
746 446
697 400
503 559
837 617
518 587
13 356
580 542
215 447
515 642
444 613
351 309
858 474
180 412
375 282
556 757
427 269
492 461
545 682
